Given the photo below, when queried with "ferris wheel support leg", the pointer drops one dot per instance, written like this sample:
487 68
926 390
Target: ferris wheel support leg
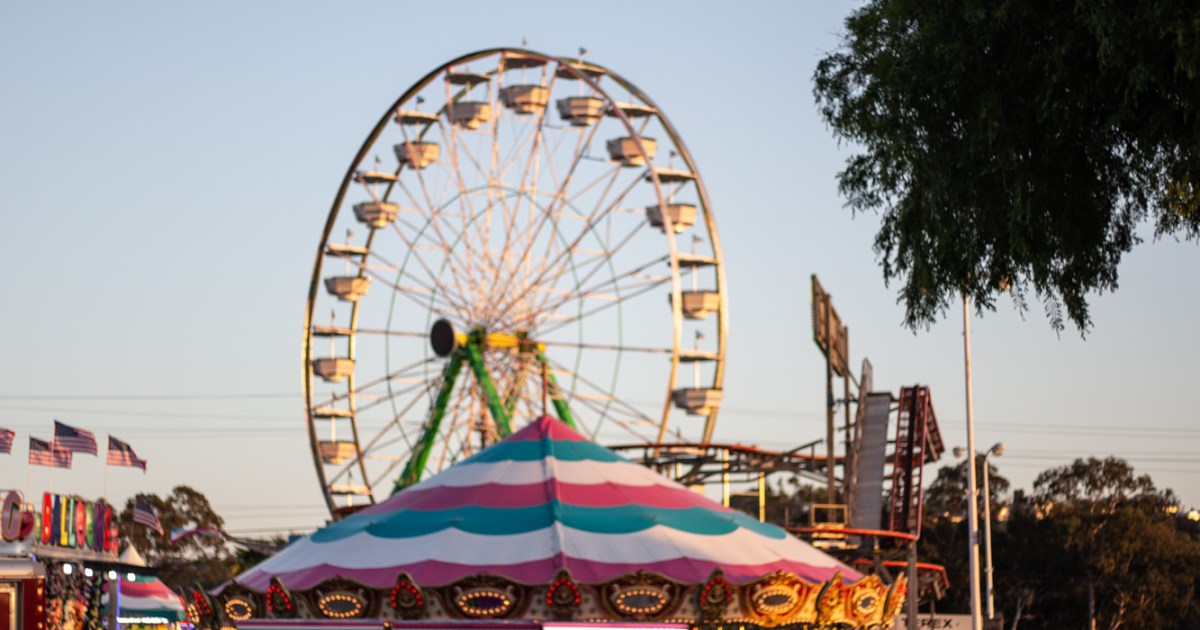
514 396
424 446
495 405
556 397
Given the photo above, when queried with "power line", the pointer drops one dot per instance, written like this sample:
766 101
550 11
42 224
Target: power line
146 396
145 414
1084 430
1008 427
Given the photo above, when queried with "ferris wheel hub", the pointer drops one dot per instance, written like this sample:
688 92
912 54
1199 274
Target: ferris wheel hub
442 338
445 340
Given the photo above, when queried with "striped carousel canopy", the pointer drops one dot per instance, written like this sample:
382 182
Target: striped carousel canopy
147 597
544 499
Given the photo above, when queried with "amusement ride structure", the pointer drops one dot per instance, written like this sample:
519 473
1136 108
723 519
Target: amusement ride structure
516 223
519 235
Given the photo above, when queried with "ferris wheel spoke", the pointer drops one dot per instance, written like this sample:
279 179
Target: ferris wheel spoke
592 220
411 367
439 243
453 296
386 474
571 320
435 211
371 445
607 397
534 140
380 331
393 394
480 261
526 146
511 372
604 346
397 418
598 215
612 250
596 291
435 289
455 415
560 187
601 262
534 137
410 293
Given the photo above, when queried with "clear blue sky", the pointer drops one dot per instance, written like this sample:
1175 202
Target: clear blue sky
166 169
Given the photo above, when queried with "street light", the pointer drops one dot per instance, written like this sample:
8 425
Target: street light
997 450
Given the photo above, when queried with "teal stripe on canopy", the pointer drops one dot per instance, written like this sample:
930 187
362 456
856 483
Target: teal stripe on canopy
488 521
528 451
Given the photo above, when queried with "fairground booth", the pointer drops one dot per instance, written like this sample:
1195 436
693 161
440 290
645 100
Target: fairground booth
547 529
55 563
144 602
147 604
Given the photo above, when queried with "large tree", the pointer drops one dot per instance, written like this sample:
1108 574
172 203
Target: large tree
1139 569
204 560
1094 537
1016 143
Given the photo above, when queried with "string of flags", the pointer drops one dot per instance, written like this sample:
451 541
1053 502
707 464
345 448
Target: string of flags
59 451
180 533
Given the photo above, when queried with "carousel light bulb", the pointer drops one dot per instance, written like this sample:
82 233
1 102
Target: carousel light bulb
67 568
130 576
87 571
112 575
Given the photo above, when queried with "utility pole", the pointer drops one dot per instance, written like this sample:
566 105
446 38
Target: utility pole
972 491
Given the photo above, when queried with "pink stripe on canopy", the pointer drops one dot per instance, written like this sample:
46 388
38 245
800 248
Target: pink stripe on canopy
147 588
542 571
493 494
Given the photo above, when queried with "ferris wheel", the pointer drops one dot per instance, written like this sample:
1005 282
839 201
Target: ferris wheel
519 234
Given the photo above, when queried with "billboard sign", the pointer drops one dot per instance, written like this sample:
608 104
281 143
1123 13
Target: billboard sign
828 332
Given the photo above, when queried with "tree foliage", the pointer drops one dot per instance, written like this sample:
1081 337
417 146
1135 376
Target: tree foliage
945 498
1092 538
1016 143
203 560
1139 569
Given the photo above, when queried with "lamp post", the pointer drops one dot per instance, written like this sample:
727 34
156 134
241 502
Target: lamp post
997 449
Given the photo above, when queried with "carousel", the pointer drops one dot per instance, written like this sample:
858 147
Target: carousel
549 526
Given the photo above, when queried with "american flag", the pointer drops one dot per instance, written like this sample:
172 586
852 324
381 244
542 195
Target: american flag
75 440
121 454
43 453
144 514
6 440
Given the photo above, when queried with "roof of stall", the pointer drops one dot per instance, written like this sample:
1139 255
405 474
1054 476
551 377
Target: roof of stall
543 499
148 597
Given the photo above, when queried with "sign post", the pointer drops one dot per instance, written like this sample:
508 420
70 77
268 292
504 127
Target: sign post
834 341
